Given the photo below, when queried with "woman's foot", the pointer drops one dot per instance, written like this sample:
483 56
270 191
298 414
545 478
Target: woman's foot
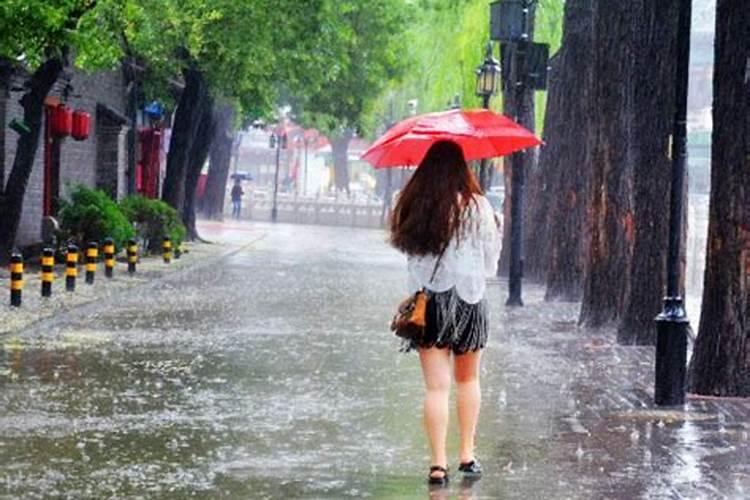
471 468
438 475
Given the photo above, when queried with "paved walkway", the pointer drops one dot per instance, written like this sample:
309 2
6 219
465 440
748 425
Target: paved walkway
271 374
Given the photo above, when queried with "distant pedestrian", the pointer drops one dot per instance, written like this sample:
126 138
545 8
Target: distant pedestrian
448 231
237 194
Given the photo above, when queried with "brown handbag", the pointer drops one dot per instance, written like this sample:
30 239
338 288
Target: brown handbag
410 320
411 317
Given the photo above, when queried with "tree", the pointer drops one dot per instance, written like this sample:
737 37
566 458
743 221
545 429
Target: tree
628 181
198 154
366 51
40 40
219 162
650 120
238 51
721 359
563 159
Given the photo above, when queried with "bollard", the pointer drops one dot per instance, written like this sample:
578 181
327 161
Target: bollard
109 258
92 253
71 269
132 255
16 279
48 268
167 249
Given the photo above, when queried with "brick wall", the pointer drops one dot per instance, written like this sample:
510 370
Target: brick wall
79 160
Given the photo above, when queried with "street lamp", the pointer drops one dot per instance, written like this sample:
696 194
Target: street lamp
524 67
277 141
672 324
487 76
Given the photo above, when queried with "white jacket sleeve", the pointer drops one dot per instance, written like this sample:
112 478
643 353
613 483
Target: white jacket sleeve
489 235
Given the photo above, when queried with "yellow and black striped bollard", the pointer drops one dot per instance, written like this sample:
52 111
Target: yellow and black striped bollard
92 254
71 268
16 279
166 247
48 271
109 258
132 256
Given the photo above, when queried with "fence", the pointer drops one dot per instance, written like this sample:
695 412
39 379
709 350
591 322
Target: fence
324 212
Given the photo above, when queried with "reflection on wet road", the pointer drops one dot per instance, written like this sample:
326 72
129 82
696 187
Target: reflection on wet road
271 374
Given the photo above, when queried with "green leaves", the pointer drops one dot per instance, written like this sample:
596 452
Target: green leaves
360 52
445 41
32 30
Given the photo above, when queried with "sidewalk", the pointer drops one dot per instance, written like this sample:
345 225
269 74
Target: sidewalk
580 408
149 269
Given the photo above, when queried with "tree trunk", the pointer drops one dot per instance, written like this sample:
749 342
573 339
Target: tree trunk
219 163
564 157
609 206
198 155
529 159
654 27
11 196
187 119
340 149
721 359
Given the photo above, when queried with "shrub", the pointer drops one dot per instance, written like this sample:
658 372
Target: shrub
91 215
153 219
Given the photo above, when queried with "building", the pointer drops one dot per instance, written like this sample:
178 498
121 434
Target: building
61 163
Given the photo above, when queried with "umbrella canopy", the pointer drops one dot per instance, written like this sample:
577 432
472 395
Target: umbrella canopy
480 133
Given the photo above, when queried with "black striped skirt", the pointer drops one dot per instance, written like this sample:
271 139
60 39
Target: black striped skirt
453 324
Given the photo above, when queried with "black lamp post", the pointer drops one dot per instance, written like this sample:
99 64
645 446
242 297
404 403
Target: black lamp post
672 324
278 141
524 67
487 77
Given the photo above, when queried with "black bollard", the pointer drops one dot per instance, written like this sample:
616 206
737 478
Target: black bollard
166 247
132 256
92 253
48 271
71 269
16 279
109 257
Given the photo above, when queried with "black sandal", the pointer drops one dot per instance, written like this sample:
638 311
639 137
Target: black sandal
472 469
441 481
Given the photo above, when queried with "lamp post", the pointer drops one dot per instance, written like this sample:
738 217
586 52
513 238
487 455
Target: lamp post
487 74
524 67
672 324
278 141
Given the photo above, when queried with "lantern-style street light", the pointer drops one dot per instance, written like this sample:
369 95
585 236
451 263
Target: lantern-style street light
488 74
524 66
277 141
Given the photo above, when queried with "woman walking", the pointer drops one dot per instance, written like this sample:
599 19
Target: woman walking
449 232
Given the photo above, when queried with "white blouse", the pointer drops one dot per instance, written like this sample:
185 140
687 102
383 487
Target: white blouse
469 259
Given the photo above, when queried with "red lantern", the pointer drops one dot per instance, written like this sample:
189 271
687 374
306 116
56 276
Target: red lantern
81 125
62 120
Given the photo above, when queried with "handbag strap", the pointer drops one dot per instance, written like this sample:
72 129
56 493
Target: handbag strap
437 262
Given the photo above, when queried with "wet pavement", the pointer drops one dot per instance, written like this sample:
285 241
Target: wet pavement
270 373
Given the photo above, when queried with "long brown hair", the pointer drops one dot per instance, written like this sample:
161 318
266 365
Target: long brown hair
429 210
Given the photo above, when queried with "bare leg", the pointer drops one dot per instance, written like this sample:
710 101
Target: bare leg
468 401
436 368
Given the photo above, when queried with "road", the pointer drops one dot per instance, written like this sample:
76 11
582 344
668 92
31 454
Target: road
270 373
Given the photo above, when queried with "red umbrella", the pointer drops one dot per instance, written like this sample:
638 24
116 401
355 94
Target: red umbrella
480 133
